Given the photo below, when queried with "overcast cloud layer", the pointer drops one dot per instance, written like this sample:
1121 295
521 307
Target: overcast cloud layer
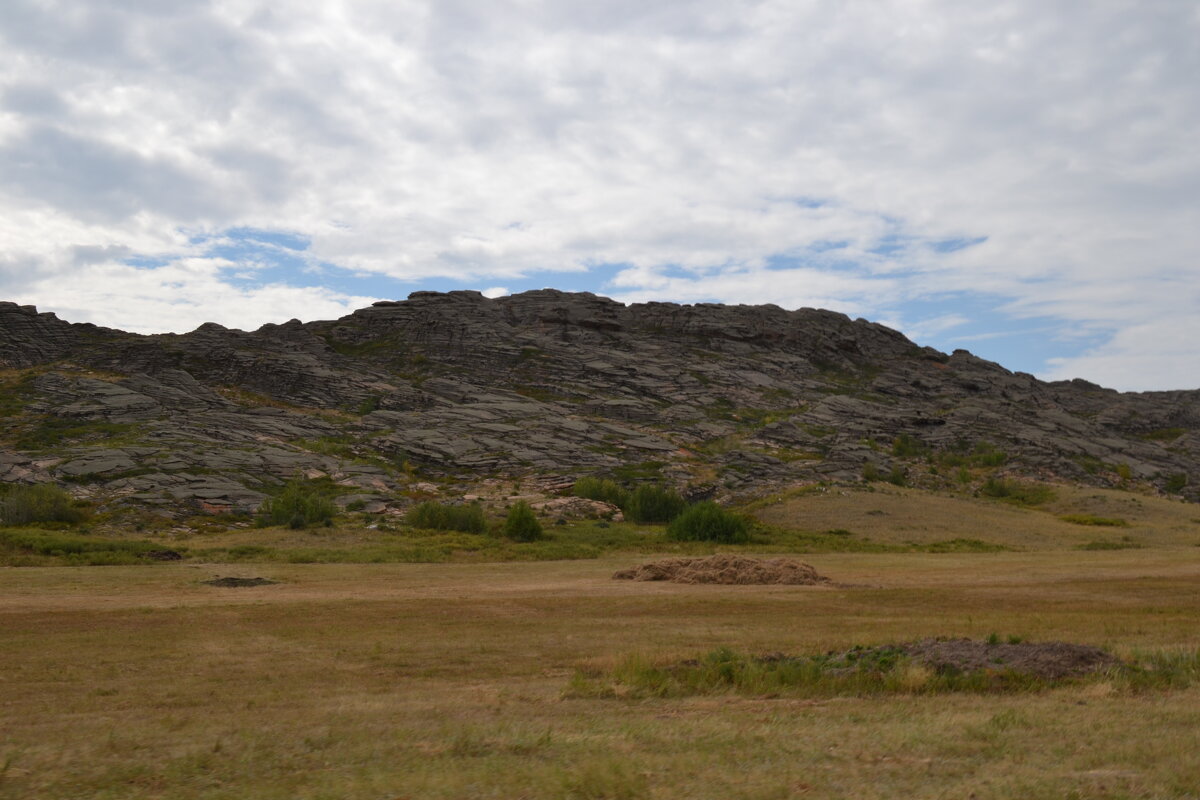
970 173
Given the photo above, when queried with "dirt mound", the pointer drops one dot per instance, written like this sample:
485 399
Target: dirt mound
725 569
1045 660
237 583
1050 660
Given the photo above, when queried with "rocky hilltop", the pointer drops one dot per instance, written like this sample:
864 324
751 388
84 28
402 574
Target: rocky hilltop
448 389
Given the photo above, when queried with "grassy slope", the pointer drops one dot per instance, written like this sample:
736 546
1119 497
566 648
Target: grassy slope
380 681
891 515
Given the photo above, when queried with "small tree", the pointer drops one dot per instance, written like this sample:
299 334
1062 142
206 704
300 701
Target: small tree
42 502
653 504
521 524
299 505
708 522
602 489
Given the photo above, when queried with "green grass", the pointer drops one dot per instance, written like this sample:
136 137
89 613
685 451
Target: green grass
1163 434
1017 492
1092 519
859 671
1125 543
50 432
446 681
21 547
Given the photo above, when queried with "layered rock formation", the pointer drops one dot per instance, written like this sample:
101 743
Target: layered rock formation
457 386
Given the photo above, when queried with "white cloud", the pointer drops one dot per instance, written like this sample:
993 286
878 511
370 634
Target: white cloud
696 143
181 296
494 292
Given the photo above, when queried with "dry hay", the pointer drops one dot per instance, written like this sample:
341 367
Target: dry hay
726 569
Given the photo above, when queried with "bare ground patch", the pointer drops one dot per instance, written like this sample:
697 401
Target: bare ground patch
727 569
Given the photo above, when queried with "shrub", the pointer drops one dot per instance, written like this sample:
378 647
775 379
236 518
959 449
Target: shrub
300 504
1176 482
1026 494
653 504
708 522
468 518
906 446
606 491
42 502
521 524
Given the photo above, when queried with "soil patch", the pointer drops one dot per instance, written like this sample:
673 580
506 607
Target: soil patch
726 569
236 583
1050 660
1046 660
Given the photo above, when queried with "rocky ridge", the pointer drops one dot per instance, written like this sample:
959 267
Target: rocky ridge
394 399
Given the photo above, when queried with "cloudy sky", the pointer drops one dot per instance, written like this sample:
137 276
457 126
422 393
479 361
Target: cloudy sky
1021 179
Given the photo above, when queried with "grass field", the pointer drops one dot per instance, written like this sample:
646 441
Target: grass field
390 681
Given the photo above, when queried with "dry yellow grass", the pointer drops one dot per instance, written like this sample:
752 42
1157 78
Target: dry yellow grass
894 515
389 681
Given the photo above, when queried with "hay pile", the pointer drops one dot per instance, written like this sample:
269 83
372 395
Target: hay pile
726 569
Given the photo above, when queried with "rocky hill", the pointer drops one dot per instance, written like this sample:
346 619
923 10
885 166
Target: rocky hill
445 390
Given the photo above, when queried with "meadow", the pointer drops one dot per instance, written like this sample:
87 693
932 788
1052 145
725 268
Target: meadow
455 680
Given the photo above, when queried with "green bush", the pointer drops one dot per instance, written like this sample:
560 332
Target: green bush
650 504
521 524
42 502
606 491
906 446
467 518
1025 494
300 504
708 522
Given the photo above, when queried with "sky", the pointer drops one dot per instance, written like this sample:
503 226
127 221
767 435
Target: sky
1017 178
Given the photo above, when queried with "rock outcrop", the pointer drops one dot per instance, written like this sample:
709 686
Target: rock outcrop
457 386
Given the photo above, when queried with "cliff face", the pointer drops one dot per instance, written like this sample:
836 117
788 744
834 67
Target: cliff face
550 383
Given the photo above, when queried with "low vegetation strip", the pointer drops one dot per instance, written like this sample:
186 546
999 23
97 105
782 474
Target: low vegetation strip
725 568
928 666
34 547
